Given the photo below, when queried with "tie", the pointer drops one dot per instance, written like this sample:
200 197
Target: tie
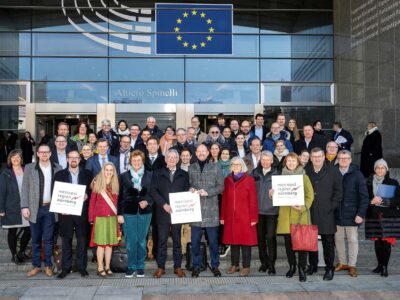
103 161
171 176
152 160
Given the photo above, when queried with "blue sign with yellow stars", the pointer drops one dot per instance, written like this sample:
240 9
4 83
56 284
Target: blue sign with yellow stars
194 29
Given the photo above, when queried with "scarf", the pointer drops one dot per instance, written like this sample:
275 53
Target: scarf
225 166
281 155
368 132
330 157
137 178
125 132
237 176
202 164
377 180
299 171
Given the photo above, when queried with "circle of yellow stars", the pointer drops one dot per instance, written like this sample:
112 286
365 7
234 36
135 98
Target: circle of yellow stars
180 38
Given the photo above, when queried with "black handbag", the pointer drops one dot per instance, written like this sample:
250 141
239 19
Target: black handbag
119 261
203 254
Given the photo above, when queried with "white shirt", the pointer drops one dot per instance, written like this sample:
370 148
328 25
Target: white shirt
123 166
307 141
62 159
255 160
133 142
242 153
47 183
258 132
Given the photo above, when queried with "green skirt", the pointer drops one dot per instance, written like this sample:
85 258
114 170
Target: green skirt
105 232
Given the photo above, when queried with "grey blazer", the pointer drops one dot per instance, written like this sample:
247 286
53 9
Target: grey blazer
30 189
212 181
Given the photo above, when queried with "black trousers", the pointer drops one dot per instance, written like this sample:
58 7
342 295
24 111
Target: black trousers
328 244
266 235
12 239
246 255
81 250
383 250
291 255
163 234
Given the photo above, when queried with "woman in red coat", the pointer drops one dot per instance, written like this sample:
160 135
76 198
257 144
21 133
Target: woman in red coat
239 214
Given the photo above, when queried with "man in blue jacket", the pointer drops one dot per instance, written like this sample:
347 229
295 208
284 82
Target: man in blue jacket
350 214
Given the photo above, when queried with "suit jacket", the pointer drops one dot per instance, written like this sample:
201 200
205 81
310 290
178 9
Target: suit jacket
66 221
347 135
161 187
159 163
316 141
71 145
93 164
212 181
54 156
265 130
114 145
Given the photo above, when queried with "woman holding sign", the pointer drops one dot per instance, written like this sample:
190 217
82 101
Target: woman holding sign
292 214
383 214
103 216
239 215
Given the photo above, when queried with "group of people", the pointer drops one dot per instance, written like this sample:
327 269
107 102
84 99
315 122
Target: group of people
129 174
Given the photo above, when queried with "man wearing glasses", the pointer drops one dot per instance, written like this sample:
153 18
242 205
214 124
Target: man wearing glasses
70 223
63 129
59 153
35 204
327 184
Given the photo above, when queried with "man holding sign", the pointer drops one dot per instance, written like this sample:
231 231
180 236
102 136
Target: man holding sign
70 223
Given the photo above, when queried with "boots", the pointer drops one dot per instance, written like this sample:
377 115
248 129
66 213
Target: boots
378 269
302 275
291 272
329 273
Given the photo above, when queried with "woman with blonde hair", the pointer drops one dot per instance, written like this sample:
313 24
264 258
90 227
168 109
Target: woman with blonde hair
293 130
103 215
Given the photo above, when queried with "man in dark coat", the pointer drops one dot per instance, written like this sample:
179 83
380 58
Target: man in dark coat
110 136
342 137
154 159
165 181
259 129
309 140
63 129
371 149
70 223
350 213
153 128
327 184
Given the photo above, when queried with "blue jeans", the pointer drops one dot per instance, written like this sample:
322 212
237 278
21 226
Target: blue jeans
43 229
136 228
212 233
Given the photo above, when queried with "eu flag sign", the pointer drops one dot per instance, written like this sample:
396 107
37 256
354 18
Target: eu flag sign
194 28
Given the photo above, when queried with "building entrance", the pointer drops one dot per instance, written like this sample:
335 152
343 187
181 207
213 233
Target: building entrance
49 122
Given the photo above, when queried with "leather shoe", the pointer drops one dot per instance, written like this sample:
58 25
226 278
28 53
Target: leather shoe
216 272
160 272
353 272
48 271
195 273
233 269
83 273
63 274
245 272
271 270
311 270
329 273
302 275
34 272
384 272
179 272
15 259
378 269
341 267
262 268
291 272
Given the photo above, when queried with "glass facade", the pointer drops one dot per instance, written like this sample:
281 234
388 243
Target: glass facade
104 52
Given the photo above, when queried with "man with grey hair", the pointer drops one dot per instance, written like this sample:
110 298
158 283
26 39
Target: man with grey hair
153 128
110 136
350 213
191 137
169 179
181 142
206 179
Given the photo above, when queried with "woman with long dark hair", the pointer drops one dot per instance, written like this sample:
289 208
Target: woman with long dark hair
27 143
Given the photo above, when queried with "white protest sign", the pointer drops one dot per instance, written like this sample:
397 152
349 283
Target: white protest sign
186 207
67 198
288 190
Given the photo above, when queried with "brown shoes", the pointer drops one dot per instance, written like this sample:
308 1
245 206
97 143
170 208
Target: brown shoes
34 272
49 271
353 271
160 272
179 272
245 272
233 269
341 267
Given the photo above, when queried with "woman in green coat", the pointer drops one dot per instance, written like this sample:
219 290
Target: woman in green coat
290 215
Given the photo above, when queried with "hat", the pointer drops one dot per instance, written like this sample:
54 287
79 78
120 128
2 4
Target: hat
381 162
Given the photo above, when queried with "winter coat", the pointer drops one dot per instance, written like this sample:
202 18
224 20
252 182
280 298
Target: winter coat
328 193
155 131
347 135
98 207
265 130
288 215
263 185
316 141
383 222
212 181
269 143
113 144
371 151
355 198
10 201
239 207
27 150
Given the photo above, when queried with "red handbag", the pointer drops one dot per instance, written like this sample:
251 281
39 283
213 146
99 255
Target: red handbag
304 237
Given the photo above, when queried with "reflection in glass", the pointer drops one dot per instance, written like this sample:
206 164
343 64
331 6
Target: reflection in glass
146 69
69 92
245 22
15 68
9 116
222 93
277 93
221 69
297 70
245 45
15 19
77 69
13 92
146 92
67 44
15 43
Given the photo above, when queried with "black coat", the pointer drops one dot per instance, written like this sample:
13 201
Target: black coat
371 151
71 145
383 221
264 132
316 141
328 191
129 197
27 150
161 187
159 163
114 144
10 202
66 221
347 135
155 131
355 198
